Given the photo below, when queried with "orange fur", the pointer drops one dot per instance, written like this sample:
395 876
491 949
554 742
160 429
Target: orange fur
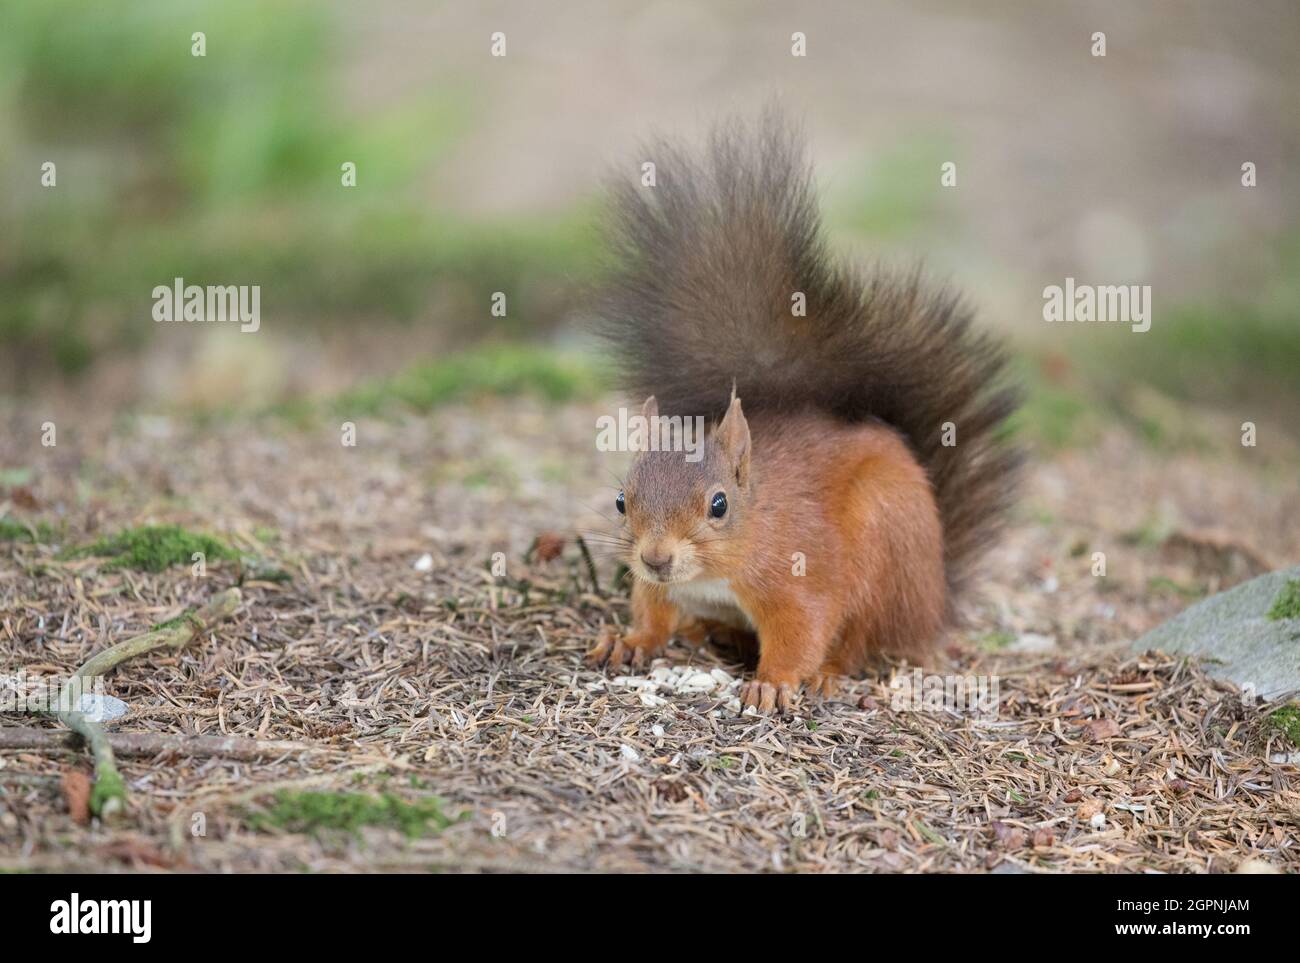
849 500
878 453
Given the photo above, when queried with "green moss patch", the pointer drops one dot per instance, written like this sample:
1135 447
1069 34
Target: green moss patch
1286 720
108 786
186 616
1287 603
348 812
12 530
154 548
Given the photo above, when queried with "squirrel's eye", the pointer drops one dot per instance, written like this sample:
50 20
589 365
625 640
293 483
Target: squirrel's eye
620 504
718 507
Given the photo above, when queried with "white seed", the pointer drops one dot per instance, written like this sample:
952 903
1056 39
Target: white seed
635 682
701 681
1257 867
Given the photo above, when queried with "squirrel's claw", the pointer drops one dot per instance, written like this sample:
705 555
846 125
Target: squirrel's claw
766 697
613 650
827 686
608 651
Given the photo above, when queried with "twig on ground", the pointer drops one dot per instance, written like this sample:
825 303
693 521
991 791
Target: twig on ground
591 565
153 743
109 794
173 635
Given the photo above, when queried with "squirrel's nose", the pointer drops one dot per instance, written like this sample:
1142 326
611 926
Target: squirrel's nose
657 560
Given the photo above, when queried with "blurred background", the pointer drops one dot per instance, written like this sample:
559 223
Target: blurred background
478 174
365 463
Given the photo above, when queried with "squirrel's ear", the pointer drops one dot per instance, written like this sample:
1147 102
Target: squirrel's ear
650 409
733 438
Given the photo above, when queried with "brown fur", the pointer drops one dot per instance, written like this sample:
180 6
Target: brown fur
837 452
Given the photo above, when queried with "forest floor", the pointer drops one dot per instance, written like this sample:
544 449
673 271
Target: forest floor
443 717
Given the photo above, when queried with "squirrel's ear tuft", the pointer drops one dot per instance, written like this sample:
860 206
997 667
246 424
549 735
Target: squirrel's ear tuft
650 409
732 436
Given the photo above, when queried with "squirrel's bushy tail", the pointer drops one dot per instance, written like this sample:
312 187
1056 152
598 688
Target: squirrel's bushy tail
711 264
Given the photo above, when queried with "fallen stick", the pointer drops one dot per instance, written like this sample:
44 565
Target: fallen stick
591 565
109 794
153 743
175 634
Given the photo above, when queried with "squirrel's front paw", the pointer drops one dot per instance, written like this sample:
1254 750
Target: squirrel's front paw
826 685
614 650
766 696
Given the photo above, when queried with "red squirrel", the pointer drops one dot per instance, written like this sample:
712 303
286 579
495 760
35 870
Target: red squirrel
858 463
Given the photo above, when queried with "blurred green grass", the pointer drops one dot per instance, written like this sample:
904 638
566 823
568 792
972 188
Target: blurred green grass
1218 353
487 370
891 193
1160 384
226 169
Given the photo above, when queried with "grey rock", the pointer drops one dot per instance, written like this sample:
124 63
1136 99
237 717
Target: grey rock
1233 632
103 708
